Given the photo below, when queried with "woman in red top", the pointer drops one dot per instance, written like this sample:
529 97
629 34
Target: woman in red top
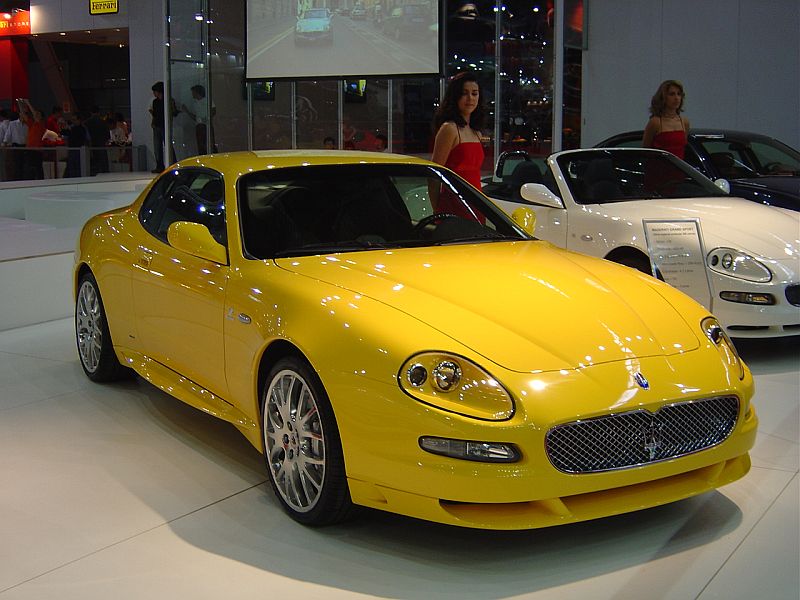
458 145
667 129
34 119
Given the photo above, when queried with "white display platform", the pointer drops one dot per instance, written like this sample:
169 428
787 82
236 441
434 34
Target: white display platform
39 226
72 209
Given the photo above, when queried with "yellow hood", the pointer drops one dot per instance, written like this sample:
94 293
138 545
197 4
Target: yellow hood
523 305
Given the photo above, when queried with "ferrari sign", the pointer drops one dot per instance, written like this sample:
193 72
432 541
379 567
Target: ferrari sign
103 7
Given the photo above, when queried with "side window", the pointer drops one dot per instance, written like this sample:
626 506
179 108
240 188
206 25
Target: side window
194 195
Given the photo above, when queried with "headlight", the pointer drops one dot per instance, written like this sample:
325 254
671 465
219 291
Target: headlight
738 264
455 384
720 339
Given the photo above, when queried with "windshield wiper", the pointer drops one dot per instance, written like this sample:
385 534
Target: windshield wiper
332 247
485 237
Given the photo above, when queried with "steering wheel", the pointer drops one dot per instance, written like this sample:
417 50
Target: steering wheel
424 222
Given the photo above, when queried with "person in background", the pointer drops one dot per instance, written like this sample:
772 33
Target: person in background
157 112
667 129
55 122
4 121
120 131
198 112
16 136
329 143
99 139
76 137
381 143
32 159
457 145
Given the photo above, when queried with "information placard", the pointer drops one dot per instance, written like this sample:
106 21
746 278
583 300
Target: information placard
103 7
677 253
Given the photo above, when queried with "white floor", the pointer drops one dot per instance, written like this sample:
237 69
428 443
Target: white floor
119 491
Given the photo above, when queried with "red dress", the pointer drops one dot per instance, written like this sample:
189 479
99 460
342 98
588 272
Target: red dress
671 141
465 160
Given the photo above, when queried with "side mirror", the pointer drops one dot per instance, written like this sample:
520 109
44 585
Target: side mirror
536 193
196 239
525 218
723 184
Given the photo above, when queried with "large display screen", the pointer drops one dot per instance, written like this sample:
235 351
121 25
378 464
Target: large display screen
311 39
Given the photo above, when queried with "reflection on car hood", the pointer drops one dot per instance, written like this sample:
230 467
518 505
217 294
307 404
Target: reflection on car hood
524 305
755 228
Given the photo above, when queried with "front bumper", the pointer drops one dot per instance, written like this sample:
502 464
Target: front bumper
754 320
387 470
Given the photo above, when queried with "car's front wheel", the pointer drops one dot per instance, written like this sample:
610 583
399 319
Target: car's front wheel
96 351
302 448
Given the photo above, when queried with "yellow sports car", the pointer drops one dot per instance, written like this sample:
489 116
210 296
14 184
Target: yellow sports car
388 338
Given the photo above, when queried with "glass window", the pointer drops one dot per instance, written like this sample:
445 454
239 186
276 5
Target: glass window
316 112
598 177
272 115
194 195
526 78
365 114
226 67
316 210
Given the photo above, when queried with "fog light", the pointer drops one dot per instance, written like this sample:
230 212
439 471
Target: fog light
493 452
748 298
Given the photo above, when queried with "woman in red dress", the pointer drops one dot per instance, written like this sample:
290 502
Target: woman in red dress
667 129
458 145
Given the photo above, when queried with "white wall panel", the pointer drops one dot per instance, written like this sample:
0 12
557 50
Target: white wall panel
739 61
769 68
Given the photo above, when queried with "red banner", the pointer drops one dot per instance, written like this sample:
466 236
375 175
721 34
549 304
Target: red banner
17 22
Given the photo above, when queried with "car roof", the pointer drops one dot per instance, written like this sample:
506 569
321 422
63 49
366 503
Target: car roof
728 134
246 161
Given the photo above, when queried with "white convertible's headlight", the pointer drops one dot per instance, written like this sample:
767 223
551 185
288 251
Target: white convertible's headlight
720 339
735 263
455 384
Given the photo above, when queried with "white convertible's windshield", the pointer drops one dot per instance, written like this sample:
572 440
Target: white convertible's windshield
336 208
600 176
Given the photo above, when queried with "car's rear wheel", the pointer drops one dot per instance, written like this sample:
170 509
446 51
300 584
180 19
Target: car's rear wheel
95 348
302 448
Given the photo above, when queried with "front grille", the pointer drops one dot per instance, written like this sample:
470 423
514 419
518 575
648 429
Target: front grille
640 437
793 293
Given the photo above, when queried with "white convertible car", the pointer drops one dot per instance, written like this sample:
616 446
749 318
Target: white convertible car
649 210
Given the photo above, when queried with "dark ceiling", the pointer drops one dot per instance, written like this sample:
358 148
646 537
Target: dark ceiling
101 37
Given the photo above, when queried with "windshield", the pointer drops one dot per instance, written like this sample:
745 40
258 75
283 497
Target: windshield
600 176
316 13
738 158
335 208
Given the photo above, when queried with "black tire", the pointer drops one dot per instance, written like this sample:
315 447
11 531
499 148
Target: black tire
639 262
95 348
302 448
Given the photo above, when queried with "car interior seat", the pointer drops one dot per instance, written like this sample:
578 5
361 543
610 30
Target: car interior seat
267 226
724 164
373 214
601 181
524 172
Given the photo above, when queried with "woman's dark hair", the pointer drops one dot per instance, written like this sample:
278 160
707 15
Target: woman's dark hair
659 100
448 109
